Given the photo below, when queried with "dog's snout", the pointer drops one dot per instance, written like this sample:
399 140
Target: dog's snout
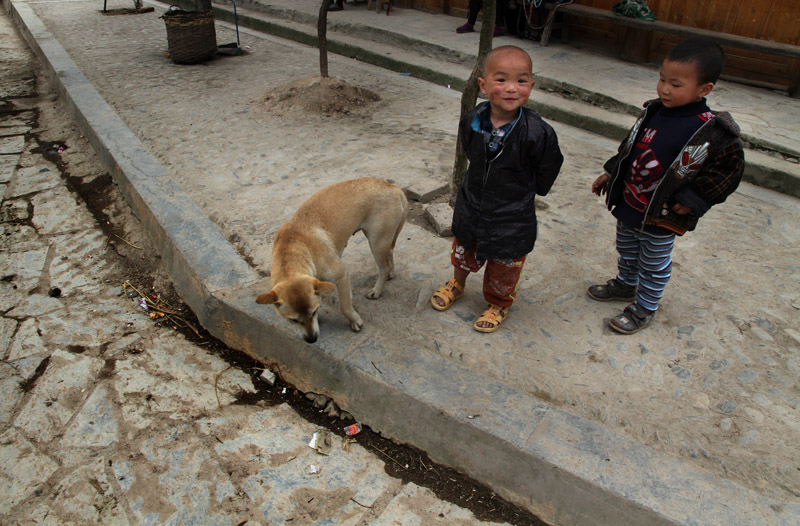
310 338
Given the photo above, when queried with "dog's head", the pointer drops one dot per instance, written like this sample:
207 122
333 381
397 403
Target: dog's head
298 301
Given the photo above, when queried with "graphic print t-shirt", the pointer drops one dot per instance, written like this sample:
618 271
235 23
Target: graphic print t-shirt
657 145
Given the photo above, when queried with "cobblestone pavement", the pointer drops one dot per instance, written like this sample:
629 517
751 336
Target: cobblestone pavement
109 418
714 382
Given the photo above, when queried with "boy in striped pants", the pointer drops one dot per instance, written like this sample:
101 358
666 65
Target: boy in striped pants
680 159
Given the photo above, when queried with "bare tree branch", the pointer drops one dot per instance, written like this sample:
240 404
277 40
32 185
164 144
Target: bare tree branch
322 37
470 95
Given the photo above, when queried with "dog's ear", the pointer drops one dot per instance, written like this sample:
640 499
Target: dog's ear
324 286
268 298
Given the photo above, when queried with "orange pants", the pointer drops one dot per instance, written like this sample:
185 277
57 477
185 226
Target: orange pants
500 277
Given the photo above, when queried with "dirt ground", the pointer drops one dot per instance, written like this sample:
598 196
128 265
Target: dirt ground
319 96
333 98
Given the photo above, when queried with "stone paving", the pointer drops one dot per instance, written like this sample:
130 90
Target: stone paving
107 418
713 383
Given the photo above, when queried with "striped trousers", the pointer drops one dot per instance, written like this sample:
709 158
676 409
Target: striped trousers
645 261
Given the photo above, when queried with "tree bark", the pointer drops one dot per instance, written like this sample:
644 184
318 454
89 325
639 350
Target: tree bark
470 95
202 5
322 37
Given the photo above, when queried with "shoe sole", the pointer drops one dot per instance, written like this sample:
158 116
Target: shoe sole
613 298
623 331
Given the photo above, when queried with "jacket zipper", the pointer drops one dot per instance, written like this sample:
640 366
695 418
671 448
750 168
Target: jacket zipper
680 153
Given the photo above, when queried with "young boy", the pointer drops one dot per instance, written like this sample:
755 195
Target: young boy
680 159
513 156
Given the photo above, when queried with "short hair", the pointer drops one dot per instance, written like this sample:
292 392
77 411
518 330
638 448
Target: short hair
496 51
706 54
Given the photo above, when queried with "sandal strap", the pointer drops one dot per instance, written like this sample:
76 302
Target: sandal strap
453 284
446 291
494 311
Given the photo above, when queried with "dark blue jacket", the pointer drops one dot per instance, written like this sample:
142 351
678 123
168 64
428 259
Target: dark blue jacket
495 205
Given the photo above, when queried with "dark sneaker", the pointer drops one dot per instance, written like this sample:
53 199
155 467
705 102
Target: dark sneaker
466 28
336 7
611 291
633 319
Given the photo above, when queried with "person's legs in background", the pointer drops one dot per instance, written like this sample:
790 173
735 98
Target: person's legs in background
474 7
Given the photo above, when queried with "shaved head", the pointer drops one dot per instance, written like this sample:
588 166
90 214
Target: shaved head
503 51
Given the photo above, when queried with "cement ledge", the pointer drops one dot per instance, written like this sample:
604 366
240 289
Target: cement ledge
564 468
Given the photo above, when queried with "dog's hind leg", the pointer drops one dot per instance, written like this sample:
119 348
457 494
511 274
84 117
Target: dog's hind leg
382 235
382 252
381 244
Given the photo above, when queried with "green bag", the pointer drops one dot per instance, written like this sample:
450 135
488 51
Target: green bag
633 9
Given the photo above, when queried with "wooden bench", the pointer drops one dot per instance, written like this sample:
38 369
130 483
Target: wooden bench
725 39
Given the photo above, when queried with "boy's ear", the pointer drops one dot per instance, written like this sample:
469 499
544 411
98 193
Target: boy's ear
482 85
706 88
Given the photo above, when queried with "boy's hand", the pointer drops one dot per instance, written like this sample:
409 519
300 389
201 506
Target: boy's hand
600 185
681 209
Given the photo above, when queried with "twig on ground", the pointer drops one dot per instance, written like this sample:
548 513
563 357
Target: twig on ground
127 242
362 505
387 456
164 308
216 380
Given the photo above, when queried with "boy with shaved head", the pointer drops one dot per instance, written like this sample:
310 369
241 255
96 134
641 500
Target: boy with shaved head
513 157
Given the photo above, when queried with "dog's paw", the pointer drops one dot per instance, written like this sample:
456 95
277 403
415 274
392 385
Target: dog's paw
374 294
357 324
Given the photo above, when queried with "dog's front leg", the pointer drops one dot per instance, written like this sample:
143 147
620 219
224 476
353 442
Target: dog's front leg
346 301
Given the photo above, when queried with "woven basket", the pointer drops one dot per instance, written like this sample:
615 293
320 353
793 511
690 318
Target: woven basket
190 35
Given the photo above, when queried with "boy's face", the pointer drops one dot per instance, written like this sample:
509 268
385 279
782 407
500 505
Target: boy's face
678 84
507 82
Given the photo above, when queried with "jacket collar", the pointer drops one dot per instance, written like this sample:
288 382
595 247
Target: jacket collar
723 118
483 111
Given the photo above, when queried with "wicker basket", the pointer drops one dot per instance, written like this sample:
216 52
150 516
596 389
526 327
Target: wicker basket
190 35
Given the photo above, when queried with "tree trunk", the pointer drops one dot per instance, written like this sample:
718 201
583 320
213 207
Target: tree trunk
470 95
322 31
202 5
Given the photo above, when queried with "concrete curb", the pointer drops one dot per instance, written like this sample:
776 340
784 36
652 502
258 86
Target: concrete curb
762 170
566 469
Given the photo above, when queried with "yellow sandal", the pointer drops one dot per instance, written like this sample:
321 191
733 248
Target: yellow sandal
447 294
494 315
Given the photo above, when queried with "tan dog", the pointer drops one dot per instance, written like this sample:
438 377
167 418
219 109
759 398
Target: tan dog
306 254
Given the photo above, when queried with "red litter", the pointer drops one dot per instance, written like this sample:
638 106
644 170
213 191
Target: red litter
353 429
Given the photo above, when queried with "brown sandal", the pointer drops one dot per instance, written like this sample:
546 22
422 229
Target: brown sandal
494 315
447 294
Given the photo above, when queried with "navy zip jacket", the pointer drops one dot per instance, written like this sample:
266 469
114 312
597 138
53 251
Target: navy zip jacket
495 204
